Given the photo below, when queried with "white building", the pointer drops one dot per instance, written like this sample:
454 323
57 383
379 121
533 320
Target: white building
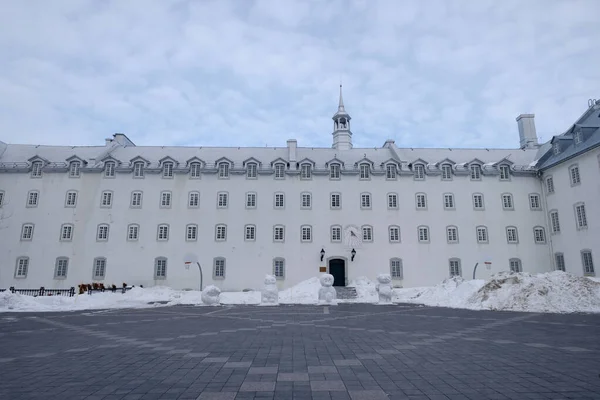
125 213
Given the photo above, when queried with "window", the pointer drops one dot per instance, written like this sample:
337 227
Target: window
71 198
163 233
512 235
160 268
219 268
1 198
421 200
222 200
419 172
475 172
554 222
455 269
278 233
336 202
574 174
396 269
60 268
367 234
588 263
251 171
99 268
168 170
250 233
251 200
482 234
74 169
133 232
423 234
392 201
109 169
336 233
446 172
452 234
390 171
580 216
107 199
334 171
504 172
305 201
478 203
138 169
534 202
27 232
365 171
279 171
559 260
191 232
539 235
305 171
66 232
394 233
549 185
165 199
221 233
102 233
507 201
556 148
515 265
279 200
578 137
448 201
223 170
365 200
195 170
22 267
279 268
36 169
33 198
193 199
306 232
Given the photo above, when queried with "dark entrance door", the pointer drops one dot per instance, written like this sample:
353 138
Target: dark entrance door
337 268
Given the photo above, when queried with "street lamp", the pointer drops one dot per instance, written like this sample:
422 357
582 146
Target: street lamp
353 252
322 254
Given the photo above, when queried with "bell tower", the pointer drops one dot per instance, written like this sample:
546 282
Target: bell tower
342 136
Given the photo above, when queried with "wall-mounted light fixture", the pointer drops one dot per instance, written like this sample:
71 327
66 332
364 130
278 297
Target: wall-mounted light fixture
322 254
353 252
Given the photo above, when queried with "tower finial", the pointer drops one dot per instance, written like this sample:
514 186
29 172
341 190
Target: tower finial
341 105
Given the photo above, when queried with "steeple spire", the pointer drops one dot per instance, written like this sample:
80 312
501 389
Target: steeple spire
341 105
342 136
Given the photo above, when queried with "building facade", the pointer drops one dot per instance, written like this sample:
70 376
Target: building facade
125 213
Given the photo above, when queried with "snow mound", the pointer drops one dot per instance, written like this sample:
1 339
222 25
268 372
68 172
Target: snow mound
366 290
305 292
552 292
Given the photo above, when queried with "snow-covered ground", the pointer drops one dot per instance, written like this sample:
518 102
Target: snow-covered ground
556 292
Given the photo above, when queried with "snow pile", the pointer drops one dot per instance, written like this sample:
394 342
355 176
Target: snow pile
306 292
366 290
555 292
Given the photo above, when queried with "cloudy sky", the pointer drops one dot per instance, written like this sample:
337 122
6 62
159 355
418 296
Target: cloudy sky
450 73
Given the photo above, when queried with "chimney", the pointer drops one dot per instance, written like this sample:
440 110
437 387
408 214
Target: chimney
527 134
292 144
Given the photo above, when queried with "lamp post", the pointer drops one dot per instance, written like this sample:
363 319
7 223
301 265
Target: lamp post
322 254
353 253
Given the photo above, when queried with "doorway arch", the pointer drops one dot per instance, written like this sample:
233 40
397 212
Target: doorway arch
338 267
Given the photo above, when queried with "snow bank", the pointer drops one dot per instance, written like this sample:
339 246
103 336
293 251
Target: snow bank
366 291
554 292
306 292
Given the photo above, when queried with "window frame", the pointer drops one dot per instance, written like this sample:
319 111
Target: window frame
74 203
276 195
475 208
456 238
537 231
167 170
161 260
517 262
275 234
277 260
222 200
482 228
537 196
251 200
223 228
137 233
364 171
390 234
102 260
592 269
574 175
306 172
475 172
252 170
509 196
215 266
31 228
504 172
310 233
107 195
62 237
339 200
397 274
508 235
58 267
75 169
559 262
102 232
549 183
447 206
223 170
419 172
302 203
279 170
159 236
367 233
2 197
332 237
26 261
391 172
363 204
335 171
195 170
194 229
424 208
168 195
139 170
36 169
249 233
393 199
581 222
29 203
133 196
457 265
446 172
423 228
193 200
554 222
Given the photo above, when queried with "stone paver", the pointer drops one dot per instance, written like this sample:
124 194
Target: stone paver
355 352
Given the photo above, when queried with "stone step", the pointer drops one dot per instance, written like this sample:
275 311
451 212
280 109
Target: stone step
345 292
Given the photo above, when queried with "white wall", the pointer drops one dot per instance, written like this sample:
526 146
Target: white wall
248 262
570 241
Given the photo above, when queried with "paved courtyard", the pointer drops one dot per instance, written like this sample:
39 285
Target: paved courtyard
358 352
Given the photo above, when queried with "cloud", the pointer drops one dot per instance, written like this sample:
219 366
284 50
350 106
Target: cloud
231 73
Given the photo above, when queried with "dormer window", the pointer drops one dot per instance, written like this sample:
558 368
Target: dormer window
504 172
74 168
390 171
195 170
138 169
168 170
334 171
223 170
419 171
475 172
279 171
446 172
36 169
556 148
251 169
578 137
109 169
306 171
365 171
